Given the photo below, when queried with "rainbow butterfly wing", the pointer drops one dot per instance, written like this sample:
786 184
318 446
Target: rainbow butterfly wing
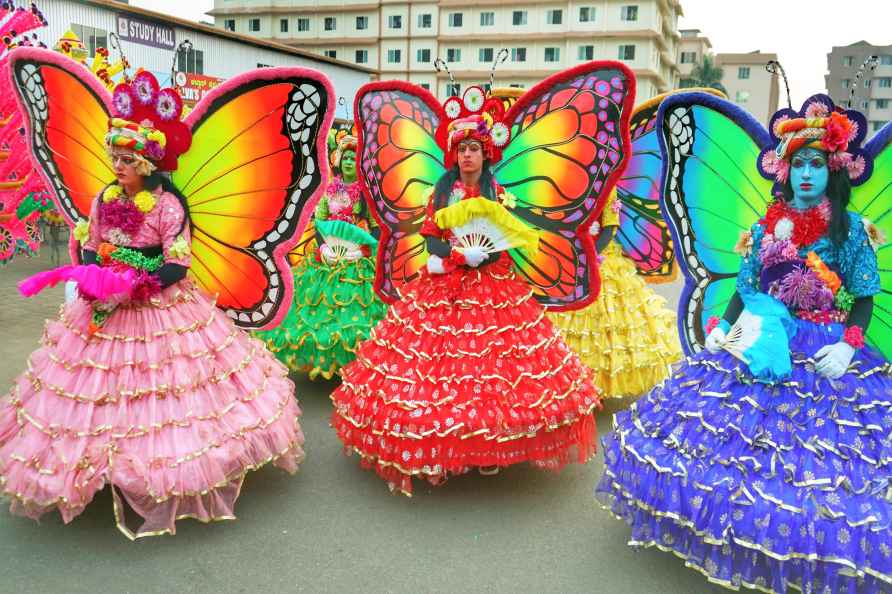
643 234
68 112
569 143
305 246
873 200
712 192
251 179
399 160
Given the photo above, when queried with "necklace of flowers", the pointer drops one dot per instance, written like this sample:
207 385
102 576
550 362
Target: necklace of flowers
801 227
144 200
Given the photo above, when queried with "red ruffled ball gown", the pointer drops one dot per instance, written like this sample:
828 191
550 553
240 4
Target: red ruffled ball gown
465 371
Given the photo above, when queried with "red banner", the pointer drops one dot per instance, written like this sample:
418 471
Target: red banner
193 87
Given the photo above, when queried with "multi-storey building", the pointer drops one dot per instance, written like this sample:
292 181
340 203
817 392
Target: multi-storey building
692 48
401 39
873 97
749 84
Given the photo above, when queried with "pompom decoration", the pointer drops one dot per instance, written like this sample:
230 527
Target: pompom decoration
169 105
500 134
854 337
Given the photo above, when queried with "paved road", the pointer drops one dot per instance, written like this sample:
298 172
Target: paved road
334 527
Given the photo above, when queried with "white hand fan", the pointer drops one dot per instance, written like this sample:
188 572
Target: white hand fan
341 249
487 225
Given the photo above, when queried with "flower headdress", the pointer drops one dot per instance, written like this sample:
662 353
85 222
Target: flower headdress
821 125
346 142
146 120
473 117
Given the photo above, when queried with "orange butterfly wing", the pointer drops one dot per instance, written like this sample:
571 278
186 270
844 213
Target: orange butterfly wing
251 179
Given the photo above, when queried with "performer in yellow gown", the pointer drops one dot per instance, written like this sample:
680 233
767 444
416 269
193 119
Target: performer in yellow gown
627 336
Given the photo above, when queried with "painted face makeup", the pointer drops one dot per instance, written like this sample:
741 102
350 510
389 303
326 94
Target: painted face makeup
809 175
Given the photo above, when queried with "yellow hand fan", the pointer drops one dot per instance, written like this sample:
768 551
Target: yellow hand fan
485 224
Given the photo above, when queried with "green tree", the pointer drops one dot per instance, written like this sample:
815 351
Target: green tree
705 74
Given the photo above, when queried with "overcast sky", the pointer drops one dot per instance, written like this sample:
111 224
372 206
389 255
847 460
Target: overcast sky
801 32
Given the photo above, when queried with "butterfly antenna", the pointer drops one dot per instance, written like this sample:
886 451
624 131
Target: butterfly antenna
871 62
440 65
775 68
500 59
115 42
184 46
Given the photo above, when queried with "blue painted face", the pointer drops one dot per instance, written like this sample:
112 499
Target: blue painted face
808 176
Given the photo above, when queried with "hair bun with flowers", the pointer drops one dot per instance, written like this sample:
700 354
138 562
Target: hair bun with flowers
147 121
474 117
819 124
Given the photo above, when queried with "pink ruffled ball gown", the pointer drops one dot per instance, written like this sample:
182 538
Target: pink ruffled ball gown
168 402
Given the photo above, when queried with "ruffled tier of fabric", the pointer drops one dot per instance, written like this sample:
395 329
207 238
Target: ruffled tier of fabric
169 403
465 371
627 336
334 309
765 486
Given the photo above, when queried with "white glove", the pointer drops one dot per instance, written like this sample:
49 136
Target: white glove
833 360
435 265
716 340
70 291
595 229
473 256
328 256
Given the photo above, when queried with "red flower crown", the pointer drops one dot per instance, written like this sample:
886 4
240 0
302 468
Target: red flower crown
473 117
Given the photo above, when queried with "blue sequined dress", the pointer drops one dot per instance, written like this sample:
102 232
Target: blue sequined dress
769 486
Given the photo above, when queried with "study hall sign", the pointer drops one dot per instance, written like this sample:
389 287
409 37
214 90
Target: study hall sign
146 32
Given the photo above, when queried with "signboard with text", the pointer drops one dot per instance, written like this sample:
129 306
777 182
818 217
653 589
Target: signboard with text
193 87
146 32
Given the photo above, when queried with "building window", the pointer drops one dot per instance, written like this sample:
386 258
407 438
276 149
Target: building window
518 54
487 19
743 72
423 56
425 21
552 54
229 24
455 19
519 18
395 21
331 23
303 24
742 96
688 57
362 23
254 25
626 52
884 83
516 85
453 89
425 86
586 14
877 125
283 25
886 59
485 55
453 54
586 52
554 17
330 53
865 104
262 65
882 103
866 83
394 56
847 61
191 62
629 13
362 56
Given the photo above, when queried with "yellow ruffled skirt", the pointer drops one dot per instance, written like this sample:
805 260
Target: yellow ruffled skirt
626 336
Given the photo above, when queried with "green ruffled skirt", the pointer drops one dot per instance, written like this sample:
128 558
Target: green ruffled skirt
334 309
